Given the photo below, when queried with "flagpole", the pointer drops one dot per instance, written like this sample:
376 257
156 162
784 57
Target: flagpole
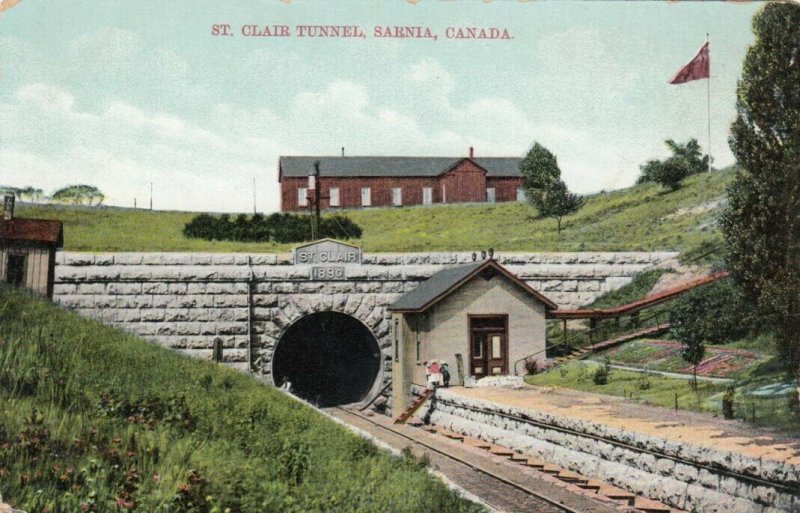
708 103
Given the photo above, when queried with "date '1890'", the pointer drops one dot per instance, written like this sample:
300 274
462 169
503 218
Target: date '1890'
327 273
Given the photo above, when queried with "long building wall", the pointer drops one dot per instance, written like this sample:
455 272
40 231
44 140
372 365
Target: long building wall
185 300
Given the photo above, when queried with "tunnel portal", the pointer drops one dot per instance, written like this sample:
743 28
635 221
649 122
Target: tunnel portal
328 358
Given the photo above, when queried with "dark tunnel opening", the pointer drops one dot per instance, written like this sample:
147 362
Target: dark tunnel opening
328 358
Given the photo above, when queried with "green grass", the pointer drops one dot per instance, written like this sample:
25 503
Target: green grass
641 218
578 376
92 419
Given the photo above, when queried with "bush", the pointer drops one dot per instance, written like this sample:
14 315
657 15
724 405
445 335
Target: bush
715 313
603 373
600 376
727 403
278 227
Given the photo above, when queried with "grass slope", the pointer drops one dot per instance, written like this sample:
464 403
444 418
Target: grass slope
92 419
649 388
645 217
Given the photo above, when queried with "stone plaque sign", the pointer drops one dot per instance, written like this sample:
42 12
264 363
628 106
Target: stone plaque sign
327 252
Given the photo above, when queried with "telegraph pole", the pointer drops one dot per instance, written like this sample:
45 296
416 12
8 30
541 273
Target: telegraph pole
317 194
254 196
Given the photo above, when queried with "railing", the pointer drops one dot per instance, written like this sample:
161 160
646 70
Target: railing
605 331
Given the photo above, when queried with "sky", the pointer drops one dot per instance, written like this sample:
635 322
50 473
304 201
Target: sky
119 94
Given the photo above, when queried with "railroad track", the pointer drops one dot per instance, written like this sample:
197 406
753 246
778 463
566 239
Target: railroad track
496 490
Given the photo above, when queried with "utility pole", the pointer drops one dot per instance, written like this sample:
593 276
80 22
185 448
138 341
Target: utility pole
317 194
254 196
151 195
314 203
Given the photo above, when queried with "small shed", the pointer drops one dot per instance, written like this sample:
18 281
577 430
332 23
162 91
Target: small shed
478 317
28 250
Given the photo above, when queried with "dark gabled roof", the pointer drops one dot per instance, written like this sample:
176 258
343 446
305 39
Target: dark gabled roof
446 281
32 230
393 166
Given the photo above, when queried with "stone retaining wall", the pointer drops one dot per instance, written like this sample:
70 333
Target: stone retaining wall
185 300
697 482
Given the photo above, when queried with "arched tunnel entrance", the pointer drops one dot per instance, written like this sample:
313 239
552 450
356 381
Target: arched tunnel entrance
329 358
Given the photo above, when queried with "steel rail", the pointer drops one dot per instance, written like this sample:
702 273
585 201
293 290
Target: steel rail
489 473
794 490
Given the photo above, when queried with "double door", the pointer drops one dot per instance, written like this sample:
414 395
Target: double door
488 346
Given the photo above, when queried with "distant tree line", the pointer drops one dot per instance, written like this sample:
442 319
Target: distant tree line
72 194
278 227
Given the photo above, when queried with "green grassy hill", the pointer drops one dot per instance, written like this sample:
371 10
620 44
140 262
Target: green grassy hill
95 420
644 217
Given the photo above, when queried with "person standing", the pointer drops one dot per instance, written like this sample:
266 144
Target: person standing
445 374
436 374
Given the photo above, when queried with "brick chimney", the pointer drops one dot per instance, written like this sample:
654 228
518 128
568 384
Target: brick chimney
471 152
8 206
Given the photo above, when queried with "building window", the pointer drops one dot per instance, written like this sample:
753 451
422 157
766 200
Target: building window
366 197
490 195
427 195
333 192
520 194
302 197
397 196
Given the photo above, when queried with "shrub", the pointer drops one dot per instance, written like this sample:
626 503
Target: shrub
727 403
531 366
279 227
715 313
603 373
600 376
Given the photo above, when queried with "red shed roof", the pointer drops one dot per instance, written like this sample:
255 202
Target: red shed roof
32 230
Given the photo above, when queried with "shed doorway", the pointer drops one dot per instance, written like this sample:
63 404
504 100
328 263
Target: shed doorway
488 345
15 275
328 359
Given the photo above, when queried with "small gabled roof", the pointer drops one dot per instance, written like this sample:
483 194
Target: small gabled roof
326 239
393 166
447 281
44 231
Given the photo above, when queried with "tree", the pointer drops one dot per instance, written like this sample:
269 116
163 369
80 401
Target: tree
686 159
761 222
556 201
79 195
716 313
540 169
693 352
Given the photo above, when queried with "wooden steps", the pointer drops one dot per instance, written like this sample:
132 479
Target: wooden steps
476 442
414 406
650 506
499 450
618 494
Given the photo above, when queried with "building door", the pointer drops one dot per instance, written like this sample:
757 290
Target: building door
397 196
15 274
490 195
488 346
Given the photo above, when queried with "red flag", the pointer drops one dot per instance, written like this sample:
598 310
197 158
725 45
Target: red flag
697 68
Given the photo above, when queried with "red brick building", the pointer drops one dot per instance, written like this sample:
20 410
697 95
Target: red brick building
355 182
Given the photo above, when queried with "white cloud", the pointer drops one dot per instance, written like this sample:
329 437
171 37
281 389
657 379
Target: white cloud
46 98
